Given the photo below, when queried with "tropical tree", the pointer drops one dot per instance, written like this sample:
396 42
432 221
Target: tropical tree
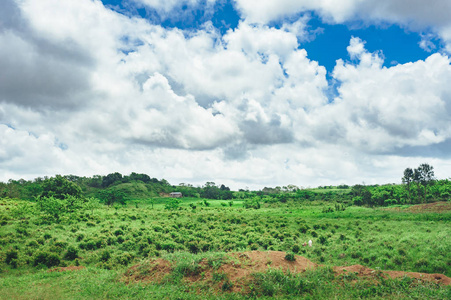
60 188
407 180
110 197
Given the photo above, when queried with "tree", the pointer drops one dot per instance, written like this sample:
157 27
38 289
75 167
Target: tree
111 179
110 197
60 188
139 177
407 180
424 175
362 191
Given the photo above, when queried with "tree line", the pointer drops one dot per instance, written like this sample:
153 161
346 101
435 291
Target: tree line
419 185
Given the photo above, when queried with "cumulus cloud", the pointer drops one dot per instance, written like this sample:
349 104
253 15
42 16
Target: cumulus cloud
88 90
415 15
381 109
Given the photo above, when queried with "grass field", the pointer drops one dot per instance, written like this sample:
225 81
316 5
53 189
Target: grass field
109 240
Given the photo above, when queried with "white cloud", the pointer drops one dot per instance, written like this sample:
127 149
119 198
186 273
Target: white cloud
381 109
356 48
416 15
246 108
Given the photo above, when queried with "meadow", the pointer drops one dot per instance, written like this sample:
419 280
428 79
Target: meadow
100 243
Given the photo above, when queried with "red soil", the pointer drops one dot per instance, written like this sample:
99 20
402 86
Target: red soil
241 265
436 207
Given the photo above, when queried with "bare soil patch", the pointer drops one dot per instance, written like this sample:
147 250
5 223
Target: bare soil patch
240 266
153 271
364 272
436 207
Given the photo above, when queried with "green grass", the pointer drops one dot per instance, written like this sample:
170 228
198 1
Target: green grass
109 239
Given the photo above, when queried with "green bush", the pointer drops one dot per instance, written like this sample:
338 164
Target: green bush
71 253
45 258
290 257
105 256
118 232
11 255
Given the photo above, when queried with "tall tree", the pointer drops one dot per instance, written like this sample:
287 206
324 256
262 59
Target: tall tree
407 180
424 176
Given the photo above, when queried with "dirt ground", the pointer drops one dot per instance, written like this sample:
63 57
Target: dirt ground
241 265
436 207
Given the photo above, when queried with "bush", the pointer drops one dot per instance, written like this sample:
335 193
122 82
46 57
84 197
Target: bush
33 244
193 247
45 258
105 256
295 248
304 228
322 240
124 259
290 257
118 232
10 256
71 253
80 237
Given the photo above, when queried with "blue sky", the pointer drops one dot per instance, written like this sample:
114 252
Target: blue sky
249 93
327 44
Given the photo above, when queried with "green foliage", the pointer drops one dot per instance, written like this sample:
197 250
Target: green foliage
105 256
60 188
173 204
112 196
11 256
252 203
290 257
71 253
47 259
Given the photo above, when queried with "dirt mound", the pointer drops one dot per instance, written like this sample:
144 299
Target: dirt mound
154 271
435 207
239 267
244 264
362 271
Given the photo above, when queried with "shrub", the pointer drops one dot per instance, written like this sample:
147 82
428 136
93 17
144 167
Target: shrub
71 253
193 247
80 237
52 260
118 232
295 248
11 255
105 256
304 228
290 257
33 244
124 259
322 240
45 258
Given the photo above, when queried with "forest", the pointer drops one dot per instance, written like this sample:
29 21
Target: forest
123 236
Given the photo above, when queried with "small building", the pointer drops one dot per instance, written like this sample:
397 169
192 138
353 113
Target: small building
176 195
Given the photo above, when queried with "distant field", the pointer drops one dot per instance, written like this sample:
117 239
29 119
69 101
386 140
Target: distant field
107 241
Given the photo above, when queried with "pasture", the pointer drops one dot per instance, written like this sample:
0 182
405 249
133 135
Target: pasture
92 249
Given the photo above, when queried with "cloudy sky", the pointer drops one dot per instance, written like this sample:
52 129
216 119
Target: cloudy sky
249 93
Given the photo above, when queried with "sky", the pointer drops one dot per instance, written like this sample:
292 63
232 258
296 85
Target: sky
247 93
